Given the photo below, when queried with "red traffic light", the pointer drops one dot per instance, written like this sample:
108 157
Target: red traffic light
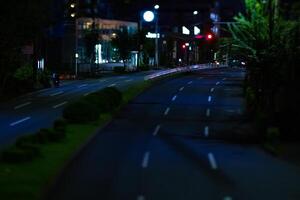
183 46
209 36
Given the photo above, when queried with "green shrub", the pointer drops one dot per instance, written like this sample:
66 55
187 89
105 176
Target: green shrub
106 100
81 111
119 70
60 125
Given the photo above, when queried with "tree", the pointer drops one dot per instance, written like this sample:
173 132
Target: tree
271 45
22 22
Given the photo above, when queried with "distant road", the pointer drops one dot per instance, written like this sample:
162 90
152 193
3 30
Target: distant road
180 140
39 109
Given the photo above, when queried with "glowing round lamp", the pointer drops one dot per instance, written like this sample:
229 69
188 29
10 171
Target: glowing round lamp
148 16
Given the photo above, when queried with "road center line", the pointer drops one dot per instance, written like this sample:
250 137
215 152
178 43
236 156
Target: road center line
181 89
146 159
57 93
20 121
212 89
174 98
22 105
83 85
207 112
59 105
140 197
206 131
212 161
167 111
157 128
209 98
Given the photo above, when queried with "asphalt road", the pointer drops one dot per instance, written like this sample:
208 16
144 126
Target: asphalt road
29 113
179 140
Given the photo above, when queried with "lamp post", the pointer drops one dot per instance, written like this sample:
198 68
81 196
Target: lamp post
156 7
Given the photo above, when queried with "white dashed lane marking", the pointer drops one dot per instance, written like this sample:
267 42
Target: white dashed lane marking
20 121
22 105
146 160
59 105
212 161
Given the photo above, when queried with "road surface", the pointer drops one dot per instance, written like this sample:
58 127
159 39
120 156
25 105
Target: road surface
29 113
180 140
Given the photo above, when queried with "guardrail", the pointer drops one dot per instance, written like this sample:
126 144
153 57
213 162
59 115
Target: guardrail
183 69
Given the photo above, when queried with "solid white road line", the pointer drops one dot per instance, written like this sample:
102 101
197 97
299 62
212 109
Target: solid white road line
141 197
206 131
174 98
57 93
59 105
146 159
212 161
112 85
227 198
207 112
217 83
209 98
22 105
181 89
20 121
157 128
212 89
190 82
83 85
167 111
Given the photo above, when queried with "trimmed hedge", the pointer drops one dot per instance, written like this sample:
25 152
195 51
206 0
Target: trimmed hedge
92 106
81 111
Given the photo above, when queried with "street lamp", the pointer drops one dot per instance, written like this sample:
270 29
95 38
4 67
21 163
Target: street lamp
148 16
195 12
156 7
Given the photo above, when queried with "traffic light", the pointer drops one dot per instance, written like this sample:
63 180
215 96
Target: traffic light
209 36
183 46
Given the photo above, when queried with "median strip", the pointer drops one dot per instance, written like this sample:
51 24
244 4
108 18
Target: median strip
20 121
22 105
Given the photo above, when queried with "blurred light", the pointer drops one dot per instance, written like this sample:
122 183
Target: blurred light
183 46
72 5
76 55
180 60
209 36
185 30
148 16
73 15
187 44
196 30
152 35
156 7
243 63
199 36
195 12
